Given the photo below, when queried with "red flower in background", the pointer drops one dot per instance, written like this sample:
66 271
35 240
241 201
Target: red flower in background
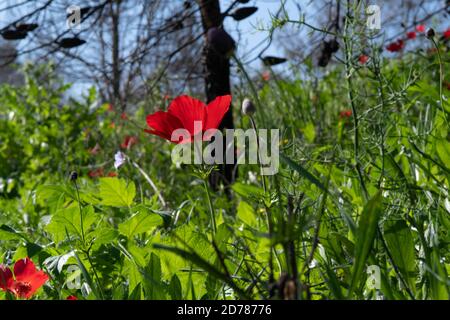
345 114
363 59
27 279
420 28
396 46
124 116
446 34
265 76
129 141
183 112
112 174
96 173
71 298
411 35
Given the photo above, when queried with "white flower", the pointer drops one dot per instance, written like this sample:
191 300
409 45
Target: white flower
119 159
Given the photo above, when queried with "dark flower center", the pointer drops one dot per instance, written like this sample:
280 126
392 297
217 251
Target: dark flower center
23 288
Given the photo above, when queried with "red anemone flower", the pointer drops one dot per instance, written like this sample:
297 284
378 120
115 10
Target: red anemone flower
71 298
265 76
27 279
363 59
446 34
411 35
112 174
345 114
420 28
96 173
396 46
183 112
128 142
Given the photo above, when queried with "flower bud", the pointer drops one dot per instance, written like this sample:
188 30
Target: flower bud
431 33
73 176
248 108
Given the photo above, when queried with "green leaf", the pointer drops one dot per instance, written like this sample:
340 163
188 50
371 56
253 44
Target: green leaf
248 191
69 218
309 131
365 235
400 243
175 288
139 223
302 171
117 192
246 213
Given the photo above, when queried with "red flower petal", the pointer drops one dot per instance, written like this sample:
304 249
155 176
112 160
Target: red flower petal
420 28
188 110
215 111
411 35
163 124
447 34
6 278
71 298
28 279
363 59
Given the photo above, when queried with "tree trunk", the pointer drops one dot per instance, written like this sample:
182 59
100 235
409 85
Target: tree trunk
217 81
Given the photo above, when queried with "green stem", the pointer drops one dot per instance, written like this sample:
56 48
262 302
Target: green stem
211 209
81 213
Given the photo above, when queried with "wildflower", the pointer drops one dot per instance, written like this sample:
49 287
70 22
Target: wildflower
446 34
96 173
119 159
183 112
128 142
112 174
396 46
265 76
71 298
124 116
27 279
420 28
363 59
248 108
345 114
411 35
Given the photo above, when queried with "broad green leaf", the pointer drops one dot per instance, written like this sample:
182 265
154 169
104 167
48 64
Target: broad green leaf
69 219
246 213
400 243
248 191
117 192
140 223
365 235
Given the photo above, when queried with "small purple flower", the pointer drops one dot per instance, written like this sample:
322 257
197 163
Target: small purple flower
119 159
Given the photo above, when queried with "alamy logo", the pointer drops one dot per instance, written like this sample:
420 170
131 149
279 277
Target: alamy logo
374 17
219 149
73 17
374 278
